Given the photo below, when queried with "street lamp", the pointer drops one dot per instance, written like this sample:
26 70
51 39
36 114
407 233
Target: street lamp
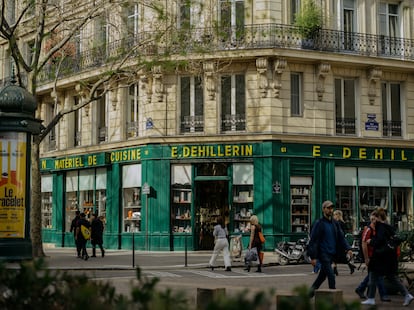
17 124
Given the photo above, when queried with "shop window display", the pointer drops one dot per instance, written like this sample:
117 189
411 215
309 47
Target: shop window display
371 198
345 202
46 200
401 202
132 209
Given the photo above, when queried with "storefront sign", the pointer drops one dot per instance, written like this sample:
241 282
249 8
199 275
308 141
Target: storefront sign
75 162
348 152
12 184
204 151
276 188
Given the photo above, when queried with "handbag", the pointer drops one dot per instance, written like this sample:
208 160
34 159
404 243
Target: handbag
86 233
261 237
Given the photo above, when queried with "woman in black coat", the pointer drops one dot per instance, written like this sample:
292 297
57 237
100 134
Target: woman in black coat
384 261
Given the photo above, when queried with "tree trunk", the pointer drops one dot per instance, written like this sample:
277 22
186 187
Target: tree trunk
36 209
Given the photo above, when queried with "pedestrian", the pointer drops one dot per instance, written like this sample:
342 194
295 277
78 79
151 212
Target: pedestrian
384 260
255 242
73 229
79 235
338 216
97 228
221 243
367 251
326 240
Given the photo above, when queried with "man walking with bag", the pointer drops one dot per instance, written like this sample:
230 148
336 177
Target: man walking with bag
326 242
81 236
97 229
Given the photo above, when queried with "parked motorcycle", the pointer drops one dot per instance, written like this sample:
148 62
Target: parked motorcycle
293 252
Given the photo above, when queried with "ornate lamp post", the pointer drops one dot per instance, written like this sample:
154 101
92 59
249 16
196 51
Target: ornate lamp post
17 124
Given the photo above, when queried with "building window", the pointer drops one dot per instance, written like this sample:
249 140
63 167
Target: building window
51 136
77 136
296 94
345 106
389 28
102 37
294 10
132 113
102 118
233 103
349 24
132 20
10 11
192 104
391 109
232 21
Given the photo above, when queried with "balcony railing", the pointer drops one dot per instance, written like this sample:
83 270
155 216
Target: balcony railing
233 122
238 38
132 129
345 126
391 128
193 123
103 134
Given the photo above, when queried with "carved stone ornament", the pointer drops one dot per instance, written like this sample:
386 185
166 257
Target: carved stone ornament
262 82
280 66
374 75
82 96
158 83
323 70
209 78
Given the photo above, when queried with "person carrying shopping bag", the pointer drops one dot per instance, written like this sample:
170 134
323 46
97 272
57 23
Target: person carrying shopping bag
221 243
255 242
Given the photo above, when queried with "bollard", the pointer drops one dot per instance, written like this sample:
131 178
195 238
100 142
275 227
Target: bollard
133 250
185 250
329 296
206 295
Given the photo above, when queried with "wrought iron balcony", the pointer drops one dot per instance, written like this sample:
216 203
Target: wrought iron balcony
209 40
391 128
233 122
192 123
345 126
103 134
132 129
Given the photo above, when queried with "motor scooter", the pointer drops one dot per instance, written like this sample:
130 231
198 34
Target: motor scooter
293 252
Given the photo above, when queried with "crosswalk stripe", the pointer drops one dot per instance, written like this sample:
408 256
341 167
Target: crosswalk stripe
163 274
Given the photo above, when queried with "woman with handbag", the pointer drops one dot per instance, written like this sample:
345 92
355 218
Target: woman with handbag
255 242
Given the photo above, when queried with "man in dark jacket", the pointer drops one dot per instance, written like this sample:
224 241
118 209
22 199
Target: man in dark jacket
326 241
73 229
79 236
97 228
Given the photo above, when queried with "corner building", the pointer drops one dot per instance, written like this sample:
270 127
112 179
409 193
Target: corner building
263 121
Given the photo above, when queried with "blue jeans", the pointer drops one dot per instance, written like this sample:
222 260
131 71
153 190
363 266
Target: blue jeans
325 272
380 284
395 282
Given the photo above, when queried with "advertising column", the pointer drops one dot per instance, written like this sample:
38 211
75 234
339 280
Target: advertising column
13 184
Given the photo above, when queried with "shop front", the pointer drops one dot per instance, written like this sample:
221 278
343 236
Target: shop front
168 197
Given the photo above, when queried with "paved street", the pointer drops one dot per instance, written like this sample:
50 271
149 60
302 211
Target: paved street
179 273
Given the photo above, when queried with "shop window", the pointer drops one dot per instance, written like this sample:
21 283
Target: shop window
242 197
233 103
86 192
131 198
212 169
402 204
181 199
346 184
371 198
300 203
46 200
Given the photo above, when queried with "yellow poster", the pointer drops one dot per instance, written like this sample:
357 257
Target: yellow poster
12 184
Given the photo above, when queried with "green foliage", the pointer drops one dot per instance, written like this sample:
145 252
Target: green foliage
309 19
33 286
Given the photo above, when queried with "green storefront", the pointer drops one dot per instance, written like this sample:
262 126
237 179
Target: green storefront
168 197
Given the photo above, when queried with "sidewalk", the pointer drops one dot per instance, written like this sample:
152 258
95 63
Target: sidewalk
65 259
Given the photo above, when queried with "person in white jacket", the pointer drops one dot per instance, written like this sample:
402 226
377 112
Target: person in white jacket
221 243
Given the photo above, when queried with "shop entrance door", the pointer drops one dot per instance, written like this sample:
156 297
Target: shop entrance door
212 201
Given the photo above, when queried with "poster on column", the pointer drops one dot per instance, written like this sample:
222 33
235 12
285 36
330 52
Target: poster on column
12 184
